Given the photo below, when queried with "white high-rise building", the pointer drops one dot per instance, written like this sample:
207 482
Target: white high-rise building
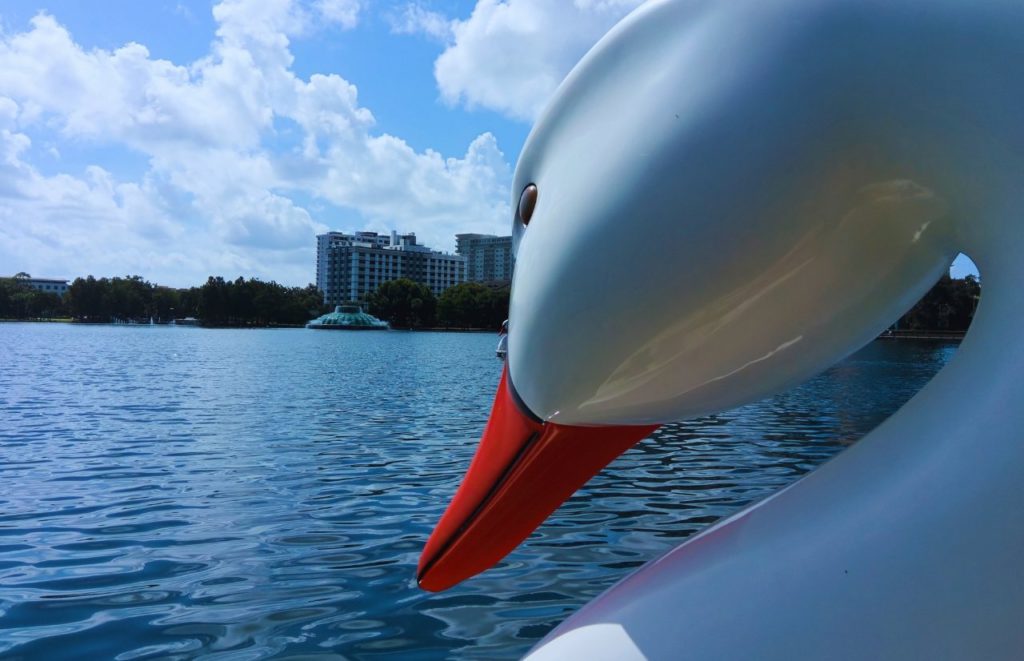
350 265
488 257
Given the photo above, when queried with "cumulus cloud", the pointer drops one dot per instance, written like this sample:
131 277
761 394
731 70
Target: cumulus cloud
343 12
8 111
214 198
509 56
51 222
417 19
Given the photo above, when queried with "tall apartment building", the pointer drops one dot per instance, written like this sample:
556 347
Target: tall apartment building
488 257
351 265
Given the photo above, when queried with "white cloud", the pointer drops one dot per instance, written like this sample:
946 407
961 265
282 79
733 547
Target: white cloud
343 12
509 56
446 195
47 223
417 19
214 199
272 22
8 111
125 96
184 12
12 145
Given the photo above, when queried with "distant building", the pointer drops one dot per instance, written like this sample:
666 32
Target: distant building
488 257
48 285
350 265
325 243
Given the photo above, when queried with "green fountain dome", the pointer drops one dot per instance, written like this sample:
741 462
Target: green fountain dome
348 317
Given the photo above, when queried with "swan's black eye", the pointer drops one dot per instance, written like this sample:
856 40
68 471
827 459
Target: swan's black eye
527 203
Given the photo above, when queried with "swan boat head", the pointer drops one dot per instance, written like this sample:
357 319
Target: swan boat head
721 200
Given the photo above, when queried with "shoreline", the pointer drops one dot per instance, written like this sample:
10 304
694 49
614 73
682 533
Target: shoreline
432 329
914 335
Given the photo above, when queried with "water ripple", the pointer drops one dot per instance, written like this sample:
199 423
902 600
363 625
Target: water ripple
248 494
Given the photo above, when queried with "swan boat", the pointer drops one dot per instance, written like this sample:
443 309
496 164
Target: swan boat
767 184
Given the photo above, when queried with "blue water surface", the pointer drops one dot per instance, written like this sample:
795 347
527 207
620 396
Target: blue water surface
242 494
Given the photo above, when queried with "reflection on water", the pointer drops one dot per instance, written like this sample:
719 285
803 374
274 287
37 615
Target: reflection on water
175 492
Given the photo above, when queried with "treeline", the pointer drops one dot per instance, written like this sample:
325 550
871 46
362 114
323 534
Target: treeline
20 301
948 306
218 302
256 303
131 298
407 304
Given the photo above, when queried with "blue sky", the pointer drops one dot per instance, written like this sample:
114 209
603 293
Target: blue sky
179 139
394 73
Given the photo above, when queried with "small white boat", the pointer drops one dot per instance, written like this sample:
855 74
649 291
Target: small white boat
502 349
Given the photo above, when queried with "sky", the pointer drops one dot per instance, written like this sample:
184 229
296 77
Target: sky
181 139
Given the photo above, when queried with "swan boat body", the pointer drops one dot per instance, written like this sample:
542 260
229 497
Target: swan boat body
767 184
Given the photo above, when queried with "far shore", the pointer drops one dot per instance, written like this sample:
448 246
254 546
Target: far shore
917 335
432 329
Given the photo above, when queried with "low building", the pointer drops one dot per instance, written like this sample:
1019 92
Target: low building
349 266
48 285
488 257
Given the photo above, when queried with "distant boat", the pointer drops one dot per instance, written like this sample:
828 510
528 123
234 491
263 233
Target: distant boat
502 350
348 317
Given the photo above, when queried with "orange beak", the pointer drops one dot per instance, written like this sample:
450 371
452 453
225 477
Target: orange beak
522 471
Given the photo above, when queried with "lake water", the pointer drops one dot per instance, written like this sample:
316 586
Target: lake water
175 492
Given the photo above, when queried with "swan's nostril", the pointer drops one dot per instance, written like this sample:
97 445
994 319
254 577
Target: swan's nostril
527 203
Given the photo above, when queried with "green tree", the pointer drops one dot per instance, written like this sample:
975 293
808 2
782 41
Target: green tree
305 303
949 305
85 299
166 303
106 299
473 305
218 302
129 298
19 300
5 300
213 302
252 302
403 303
